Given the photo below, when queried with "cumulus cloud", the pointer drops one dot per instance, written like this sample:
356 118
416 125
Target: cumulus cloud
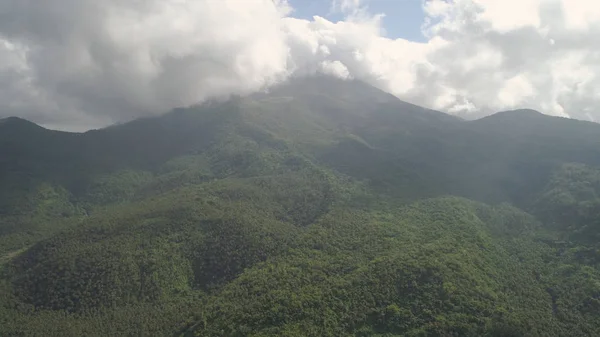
77 64
534 53
83 62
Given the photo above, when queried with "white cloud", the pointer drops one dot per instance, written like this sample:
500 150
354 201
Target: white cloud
119 59
581 14
517 53
504 16
515 91
83 63
335 68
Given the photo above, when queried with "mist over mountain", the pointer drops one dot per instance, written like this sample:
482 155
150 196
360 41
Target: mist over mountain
321 207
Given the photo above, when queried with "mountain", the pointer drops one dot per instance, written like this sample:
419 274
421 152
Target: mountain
320 208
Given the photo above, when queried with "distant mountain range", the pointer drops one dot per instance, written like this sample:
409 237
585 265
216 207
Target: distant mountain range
321 208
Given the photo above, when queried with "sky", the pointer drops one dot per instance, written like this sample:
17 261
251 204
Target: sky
403 18
82 64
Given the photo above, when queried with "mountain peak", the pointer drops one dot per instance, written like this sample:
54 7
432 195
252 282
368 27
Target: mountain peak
521 112
11 119
511 116
517 113
330 86
17 122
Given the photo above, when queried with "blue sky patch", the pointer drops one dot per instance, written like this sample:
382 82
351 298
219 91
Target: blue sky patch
403 18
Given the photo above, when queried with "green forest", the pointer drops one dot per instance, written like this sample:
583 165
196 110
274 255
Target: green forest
321 208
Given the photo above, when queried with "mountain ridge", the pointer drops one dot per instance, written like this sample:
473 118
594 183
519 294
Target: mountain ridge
339 212
306 85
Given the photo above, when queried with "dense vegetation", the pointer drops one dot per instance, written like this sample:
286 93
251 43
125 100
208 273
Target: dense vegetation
324 208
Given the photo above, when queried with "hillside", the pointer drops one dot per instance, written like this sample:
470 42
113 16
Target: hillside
321 208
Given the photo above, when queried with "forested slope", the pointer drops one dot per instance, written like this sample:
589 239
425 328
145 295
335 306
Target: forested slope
321 208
